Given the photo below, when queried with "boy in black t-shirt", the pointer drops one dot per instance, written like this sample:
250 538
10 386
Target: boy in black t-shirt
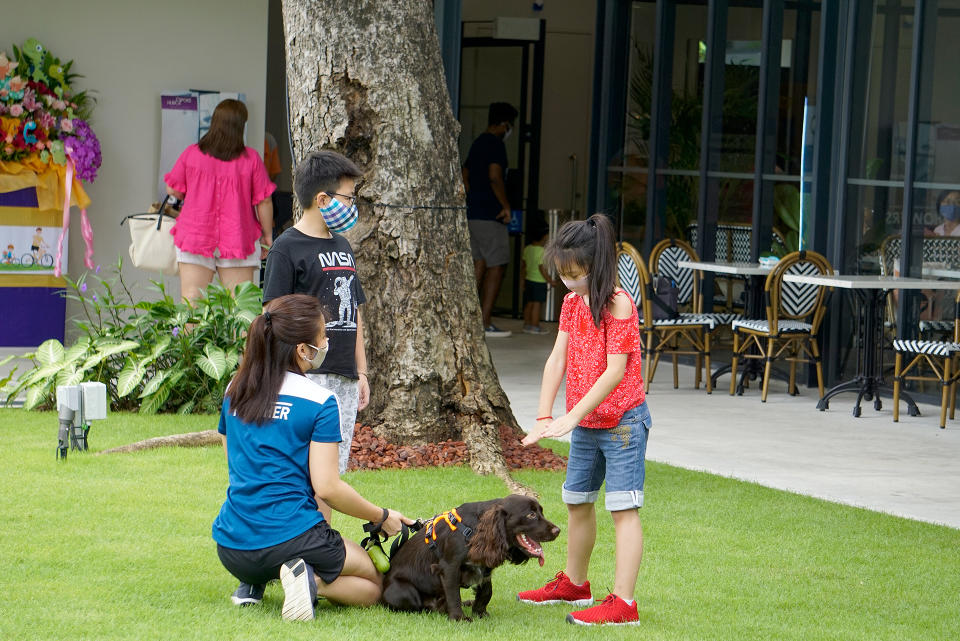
313 258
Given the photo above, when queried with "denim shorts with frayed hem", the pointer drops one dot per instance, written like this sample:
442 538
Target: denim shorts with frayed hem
616 455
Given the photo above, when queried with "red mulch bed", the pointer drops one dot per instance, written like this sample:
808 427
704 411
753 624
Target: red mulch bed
370 452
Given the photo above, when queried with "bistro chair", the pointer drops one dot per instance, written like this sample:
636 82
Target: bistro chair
664 262
686 334
794 314
941 357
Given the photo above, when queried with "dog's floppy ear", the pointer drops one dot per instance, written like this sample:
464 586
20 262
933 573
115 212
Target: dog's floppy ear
489 545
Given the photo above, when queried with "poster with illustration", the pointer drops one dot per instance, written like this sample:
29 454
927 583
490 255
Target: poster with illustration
184 118
29 250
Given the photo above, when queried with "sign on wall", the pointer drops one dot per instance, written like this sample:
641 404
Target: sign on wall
25 249
184 118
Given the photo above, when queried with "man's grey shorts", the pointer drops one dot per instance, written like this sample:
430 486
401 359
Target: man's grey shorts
489 242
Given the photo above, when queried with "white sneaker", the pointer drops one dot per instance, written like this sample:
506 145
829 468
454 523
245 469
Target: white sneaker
299 590
492 331
535 329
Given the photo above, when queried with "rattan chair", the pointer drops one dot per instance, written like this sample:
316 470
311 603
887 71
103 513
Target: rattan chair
942 359
794 314
686 334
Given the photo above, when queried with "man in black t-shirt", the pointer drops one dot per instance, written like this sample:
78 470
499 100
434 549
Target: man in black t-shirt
488 210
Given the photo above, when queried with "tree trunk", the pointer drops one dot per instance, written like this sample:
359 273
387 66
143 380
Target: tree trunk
365 78
191 439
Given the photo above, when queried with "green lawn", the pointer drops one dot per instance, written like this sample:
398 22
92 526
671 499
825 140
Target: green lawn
119 547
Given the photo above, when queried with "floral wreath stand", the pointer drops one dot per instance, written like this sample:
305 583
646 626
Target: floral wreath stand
31 196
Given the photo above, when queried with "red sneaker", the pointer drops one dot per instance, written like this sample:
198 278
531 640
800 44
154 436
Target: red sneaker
560 590
611 611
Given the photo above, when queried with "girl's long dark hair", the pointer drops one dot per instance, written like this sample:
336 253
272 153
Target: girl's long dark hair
589 244
271 352
224 139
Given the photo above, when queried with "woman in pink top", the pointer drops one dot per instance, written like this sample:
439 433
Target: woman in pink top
226 205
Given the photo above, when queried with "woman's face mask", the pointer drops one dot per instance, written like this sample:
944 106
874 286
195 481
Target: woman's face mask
339 217
321 354
950 212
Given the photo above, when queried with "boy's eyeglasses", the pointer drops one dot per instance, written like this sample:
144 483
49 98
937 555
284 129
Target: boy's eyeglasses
353 199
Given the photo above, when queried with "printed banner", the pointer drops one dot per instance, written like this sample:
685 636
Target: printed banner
29 250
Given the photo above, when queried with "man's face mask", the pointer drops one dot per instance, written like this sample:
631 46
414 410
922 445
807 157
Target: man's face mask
339 217
509 131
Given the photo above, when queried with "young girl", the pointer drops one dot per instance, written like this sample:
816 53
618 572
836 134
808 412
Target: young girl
598 347
281 431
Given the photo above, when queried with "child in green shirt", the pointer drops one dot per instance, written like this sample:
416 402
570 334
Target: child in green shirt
535 285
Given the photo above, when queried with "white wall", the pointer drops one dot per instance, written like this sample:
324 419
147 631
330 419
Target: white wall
128 52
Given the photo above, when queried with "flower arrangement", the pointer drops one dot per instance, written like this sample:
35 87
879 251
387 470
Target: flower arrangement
40 116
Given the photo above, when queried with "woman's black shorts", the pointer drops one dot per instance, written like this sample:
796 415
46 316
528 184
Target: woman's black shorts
321 546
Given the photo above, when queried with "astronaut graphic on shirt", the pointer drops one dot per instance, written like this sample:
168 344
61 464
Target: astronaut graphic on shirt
341 289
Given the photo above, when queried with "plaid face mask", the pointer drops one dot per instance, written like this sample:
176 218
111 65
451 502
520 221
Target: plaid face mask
338 216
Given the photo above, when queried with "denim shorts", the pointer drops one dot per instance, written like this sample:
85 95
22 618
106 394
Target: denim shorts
615 454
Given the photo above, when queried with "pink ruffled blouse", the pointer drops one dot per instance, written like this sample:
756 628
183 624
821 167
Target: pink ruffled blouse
219 203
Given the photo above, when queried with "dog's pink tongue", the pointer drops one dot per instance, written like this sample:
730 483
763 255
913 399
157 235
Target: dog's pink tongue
540 558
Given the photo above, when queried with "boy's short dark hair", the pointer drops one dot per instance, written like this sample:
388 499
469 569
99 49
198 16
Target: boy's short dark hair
501 112
321 171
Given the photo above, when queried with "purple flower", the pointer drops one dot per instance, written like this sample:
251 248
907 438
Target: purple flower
94 298
83 287
97 270
176 331
84 150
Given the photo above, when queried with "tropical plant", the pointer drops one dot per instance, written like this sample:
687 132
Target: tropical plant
154 356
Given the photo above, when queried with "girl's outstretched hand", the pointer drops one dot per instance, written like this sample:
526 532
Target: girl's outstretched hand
550 429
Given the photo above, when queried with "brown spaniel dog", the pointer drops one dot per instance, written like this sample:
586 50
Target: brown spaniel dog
460 548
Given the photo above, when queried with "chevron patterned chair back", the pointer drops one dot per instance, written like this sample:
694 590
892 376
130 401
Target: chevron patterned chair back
632 276
794 314
941 357
796 301
663 262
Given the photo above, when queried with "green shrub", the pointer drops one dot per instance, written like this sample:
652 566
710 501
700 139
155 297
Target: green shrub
160 356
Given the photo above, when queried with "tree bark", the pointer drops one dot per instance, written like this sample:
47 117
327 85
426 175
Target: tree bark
365 78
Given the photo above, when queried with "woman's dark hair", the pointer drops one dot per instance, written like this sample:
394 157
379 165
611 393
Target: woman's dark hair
271 352
589 244
224 139
321 171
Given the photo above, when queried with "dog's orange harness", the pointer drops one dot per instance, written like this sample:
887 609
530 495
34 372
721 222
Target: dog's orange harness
452 520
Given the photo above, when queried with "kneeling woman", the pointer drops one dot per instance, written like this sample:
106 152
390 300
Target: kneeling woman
280 431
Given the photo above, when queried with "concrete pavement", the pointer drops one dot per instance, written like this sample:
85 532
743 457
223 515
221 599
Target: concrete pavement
910 468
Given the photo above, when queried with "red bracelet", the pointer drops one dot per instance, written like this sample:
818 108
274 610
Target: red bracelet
540 418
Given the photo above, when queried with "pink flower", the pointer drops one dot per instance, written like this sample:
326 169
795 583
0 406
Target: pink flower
40 145
3 93
30 99
16 110
6 66
8 149
17 83
66 125
59 105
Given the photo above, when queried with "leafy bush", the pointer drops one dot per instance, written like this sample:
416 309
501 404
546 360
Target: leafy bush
160 356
